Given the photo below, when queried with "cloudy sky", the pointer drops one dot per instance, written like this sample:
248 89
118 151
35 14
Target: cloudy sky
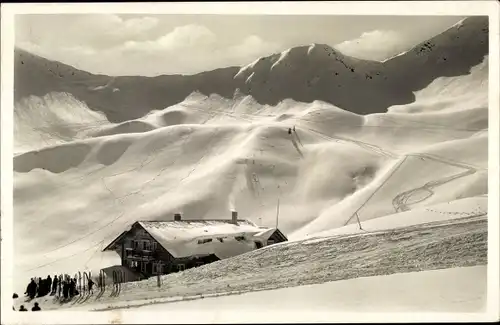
186 44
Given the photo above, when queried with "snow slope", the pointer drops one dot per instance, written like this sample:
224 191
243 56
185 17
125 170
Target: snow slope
205 144
52 119
436 245
461 208
445 290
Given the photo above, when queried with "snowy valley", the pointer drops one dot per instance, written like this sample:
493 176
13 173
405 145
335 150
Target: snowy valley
371 169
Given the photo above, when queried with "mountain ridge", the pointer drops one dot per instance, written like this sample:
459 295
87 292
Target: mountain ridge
303 73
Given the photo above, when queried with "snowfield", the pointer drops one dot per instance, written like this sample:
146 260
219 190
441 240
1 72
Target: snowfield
433 291
398 147
442 244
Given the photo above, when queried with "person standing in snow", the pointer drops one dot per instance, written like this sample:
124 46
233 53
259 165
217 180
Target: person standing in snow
41 285
48 283
22 308
28 288
91 285
14 296
36 307
31 290
72 288
54 284
65 289
60 285
289 130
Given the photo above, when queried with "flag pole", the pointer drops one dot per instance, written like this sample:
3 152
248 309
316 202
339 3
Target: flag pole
277 212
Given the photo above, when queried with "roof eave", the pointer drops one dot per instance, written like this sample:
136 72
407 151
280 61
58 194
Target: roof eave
120 236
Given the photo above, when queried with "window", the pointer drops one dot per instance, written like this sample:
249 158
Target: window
154 246
157 268
203 241
240 238
181 267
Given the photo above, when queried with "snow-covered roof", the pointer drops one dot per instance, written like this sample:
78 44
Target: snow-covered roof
265 234
204 237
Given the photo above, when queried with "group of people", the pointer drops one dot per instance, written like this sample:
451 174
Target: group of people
65 286
36 307
39 287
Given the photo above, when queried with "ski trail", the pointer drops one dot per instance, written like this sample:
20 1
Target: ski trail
361 144
393 170
400 201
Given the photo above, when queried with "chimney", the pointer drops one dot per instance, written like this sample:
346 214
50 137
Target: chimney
177 217
234 217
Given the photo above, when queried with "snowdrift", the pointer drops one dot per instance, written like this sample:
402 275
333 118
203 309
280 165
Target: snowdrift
206 144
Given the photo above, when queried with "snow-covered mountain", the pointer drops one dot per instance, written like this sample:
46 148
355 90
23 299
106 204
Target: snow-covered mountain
373 139
305 74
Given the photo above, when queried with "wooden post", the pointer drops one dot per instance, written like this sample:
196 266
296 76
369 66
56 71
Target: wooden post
102 280
123 253
359 222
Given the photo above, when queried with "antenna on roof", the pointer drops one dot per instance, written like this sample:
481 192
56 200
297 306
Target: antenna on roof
277 212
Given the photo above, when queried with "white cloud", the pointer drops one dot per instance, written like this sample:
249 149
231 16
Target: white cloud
373 45
188 36
181 38
94 25
191 49
252 45
185 49
97 31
